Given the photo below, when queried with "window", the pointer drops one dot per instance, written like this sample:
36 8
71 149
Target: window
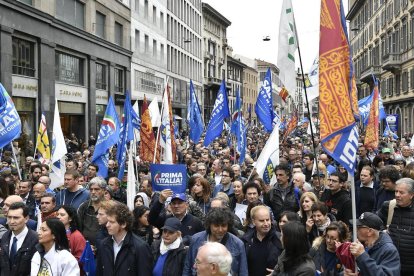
28 2
119 80
161 20
405 82
23 57
100 25
137 39
154 15
101 74
71 12
118 33
146 44
412 78
162 52
397 84
390 86
146 9
69 68
154 48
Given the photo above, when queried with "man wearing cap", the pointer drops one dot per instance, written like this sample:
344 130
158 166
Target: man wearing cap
374 252
386 154
179 209
400 220
169 252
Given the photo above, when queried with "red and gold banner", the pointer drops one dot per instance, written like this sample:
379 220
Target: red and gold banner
372 132
147 145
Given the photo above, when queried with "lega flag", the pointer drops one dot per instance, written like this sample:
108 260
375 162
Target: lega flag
10 124
269 158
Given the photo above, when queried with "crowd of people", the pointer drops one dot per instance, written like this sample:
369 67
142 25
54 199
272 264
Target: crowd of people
229 222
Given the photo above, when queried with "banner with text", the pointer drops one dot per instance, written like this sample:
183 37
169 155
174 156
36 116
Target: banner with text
172 177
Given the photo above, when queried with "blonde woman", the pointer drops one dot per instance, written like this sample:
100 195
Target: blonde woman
306 201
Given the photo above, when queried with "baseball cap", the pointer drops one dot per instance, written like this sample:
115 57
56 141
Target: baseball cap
180 196
320 174
370 220
386 150
172 224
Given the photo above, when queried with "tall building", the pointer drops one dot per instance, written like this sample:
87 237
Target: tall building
184 52
215 55
235 80
382 39
75 51
250 88
149 46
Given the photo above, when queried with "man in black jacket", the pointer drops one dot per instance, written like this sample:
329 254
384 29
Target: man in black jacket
17 244
337 199
263 245
123 253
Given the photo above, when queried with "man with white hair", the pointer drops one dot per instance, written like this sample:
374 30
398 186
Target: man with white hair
213 258
299 181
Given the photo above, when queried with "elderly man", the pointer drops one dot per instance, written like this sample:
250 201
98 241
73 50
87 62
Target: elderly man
45 180
179 209
119 192
406 154
87 212
213 258
299 179
374 252
263 245
400 222
217 224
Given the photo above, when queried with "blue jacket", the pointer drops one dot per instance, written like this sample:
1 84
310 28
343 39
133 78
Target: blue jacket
81 196
381 259
232 243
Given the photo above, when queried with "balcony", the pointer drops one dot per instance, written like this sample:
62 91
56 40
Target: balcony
366 75
212 81
207 55
221 61
391 62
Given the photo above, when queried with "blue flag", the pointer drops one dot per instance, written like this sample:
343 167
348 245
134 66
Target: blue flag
88 260
195 120
135 120
108 136
237 113
220 112
241 141
389 133
364 105
126 135
264 103
10 124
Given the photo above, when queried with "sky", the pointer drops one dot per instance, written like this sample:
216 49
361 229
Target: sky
251 21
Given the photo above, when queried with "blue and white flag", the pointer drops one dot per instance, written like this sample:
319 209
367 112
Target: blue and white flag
389 133
220 112
237 113
242 140
364 105
195 120
108 136
264 103
10 124
126 135
58 152
269 158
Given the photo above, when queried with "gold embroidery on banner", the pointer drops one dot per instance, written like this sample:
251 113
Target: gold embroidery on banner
326 19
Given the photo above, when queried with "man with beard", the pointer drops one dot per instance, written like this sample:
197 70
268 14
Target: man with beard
35 173
87 212
263 245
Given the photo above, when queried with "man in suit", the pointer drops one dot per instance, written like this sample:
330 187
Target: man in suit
7 203
18 244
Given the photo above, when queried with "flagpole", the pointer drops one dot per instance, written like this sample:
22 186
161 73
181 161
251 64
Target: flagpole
307 105
15 160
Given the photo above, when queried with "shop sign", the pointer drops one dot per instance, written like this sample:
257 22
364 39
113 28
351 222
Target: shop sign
102 97
71 93
24 87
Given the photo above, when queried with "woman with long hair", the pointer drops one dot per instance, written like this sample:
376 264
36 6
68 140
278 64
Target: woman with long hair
324 248
68 216
237 196
53 256
306 201
141 226
295 259
201 192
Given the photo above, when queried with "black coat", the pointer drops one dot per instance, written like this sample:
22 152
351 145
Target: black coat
339 204
274 199
134 258
23 258
174 263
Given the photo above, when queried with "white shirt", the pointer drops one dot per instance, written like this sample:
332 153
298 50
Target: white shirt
371 185
117 246
56 262
217 178
20 239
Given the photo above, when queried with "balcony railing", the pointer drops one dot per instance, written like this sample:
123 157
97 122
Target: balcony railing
366 75
391 61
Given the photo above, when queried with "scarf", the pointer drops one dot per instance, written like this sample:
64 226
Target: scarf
322 228
165 248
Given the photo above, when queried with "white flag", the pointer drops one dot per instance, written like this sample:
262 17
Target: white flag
165 129
269 154
155 113
312 82
287 48
58 152
131 179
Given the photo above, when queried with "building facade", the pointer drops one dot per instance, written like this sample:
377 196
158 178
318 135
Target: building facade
215 49
250 88
184 52
382 39
76 52
235 80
